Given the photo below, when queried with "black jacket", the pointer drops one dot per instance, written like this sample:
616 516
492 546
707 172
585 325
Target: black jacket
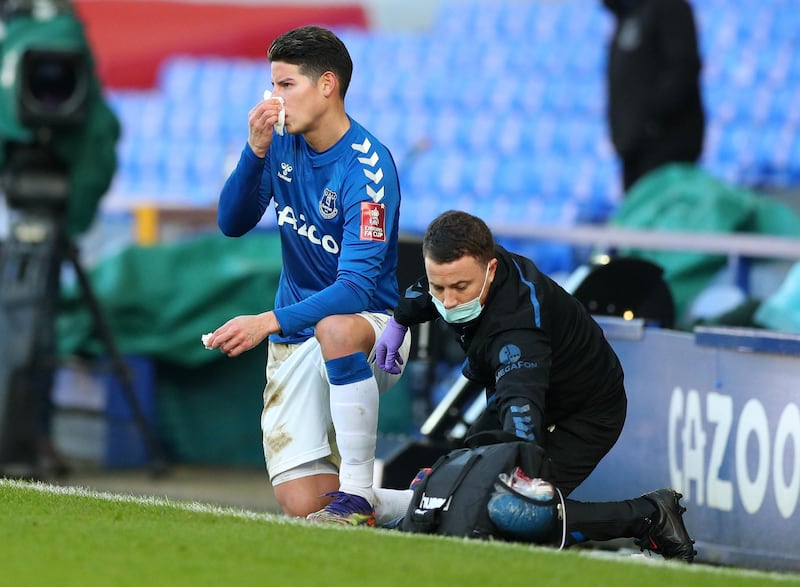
533 340
653 69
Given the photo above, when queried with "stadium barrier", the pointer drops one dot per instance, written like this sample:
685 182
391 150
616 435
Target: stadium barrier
713 414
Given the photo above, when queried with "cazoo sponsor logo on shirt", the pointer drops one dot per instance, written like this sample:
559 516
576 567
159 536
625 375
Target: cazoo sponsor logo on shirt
287 215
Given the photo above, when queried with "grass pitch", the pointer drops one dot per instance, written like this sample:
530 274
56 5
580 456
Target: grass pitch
59 536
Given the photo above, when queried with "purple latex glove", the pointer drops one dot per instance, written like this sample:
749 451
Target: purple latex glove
388 345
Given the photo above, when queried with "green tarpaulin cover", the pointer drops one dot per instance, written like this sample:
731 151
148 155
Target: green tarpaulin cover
685 198
158 302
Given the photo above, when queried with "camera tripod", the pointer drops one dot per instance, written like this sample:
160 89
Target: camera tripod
30 263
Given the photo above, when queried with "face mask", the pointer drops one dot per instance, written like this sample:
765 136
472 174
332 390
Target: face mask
462 312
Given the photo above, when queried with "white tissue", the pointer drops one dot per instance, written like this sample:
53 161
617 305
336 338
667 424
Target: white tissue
281 116
205 338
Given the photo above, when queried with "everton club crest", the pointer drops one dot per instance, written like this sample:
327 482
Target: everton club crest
327 204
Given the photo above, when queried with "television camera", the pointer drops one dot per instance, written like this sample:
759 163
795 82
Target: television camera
55 132
45 81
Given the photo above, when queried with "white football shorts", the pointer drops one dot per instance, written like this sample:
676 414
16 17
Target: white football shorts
296 422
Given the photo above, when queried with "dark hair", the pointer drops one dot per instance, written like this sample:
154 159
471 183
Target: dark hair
316 50
454 234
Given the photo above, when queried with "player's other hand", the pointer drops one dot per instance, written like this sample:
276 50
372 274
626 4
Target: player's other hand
387 348
242 333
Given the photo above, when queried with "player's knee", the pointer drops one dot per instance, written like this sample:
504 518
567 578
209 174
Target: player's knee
299 506
344 335
334 332
301 490
298 501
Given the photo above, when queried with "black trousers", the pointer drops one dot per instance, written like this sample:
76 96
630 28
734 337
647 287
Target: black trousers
574 443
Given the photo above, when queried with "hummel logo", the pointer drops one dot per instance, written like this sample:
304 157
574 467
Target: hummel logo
428 502
411 293
286 169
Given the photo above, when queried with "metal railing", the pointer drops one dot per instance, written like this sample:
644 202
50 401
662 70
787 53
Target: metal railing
740 248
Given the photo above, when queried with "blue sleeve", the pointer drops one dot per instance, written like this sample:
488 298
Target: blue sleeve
243 200
341 297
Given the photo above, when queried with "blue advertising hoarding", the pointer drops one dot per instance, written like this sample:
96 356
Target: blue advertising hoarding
713 414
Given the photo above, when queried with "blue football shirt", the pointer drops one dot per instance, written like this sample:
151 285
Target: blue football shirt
337 213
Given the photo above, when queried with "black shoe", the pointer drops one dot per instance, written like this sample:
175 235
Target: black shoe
667 534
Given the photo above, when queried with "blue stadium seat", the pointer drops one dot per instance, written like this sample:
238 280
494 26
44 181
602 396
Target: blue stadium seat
178 77
517 175
499 108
